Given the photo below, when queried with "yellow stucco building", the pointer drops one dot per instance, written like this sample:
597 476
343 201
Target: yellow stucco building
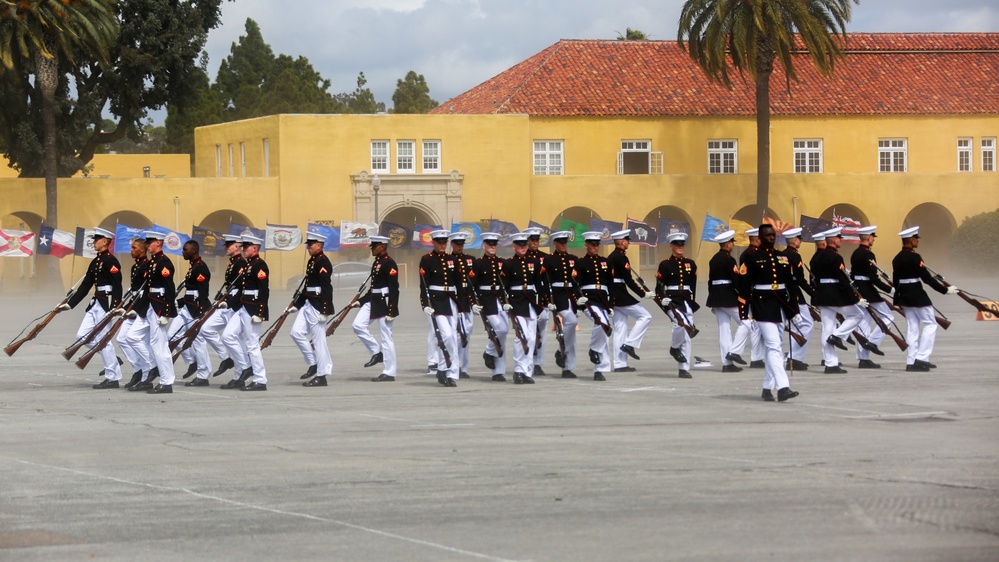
904 134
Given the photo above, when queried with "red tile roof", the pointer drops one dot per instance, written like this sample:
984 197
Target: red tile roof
882 74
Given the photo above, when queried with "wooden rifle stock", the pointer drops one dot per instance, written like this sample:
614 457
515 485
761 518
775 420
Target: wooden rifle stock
814 313
490 332
884 328
272 331
979 305
82 362
798 338
518 330
671 311
433 322
12 347
343 313
70 351
556 320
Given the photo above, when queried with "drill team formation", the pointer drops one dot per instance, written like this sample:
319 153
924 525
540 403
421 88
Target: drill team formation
755 301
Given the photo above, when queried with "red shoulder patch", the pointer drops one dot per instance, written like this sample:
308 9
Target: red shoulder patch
393 272
627 267
165 272
201 278
743 270
261 274
422 272
322 269
471 274
659 275
114 269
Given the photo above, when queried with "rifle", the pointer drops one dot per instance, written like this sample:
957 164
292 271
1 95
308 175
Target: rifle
192 331
504 299
941 321
335 323
814 313
84 359
13 346
433 322
490 331
596 317
81 341
268 336
669 309
967 297
557 319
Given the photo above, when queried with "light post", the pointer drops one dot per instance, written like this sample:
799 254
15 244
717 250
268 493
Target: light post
376 184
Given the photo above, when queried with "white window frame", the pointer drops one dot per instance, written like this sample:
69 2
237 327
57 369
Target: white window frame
964 154
380 154
218 160
267 158
405 157
889 152
810 151
232 163
549 157
726 154
988 154
644 145
431 157
242 158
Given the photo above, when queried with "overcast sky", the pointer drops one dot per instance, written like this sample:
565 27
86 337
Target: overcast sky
457 44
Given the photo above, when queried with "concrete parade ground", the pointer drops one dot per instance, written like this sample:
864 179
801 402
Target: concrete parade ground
868 465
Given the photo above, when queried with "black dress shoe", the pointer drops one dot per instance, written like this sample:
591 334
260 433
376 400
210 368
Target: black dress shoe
234 383
101 373
539 372
795 365
441 377
731 369
141 386
735 358
837 370
630 351
914 368
767 395
836 341
375 359
105 384
450 382
518 378
161 389
318 381
925 364
499 378
152 374
256 386
759 364
868 364
197 382
431 369
928 364
568 374
489 360
383 378
785 394
526 379
559 359
598 377
120 362
625 370
677 354
594 357
191 369
311 372
136 378
684 374
246 374
872 348
463 375
226 364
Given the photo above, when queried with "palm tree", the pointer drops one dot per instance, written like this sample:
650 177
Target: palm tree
749 36
38 34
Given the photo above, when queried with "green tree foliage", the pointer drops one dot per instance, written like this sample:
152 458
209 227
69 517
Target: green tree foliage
973 246
750 36
361 100
204 109
150 142
412 95
632 35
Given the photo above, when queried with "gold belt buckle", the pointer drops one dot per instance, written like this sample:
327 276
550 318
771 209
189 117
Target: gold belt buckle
775 286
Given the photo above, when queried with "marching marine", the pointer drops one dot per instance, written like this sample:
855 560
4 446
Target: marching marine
626 306
214 327
520 276
314 305
133 336
676 282
802 322
544 298
593 276
157 305
834 295
558 267
864 272
243 329
723 300
486 277
381 306
463 322
438 279
190 307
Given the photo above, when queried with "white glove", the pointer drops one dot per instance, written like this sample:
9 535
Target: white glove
391 318
256 319
162 320
581 301
223 305
355 304
476 309
428 310
666 301
952 290
552 307
863 303
324 318
63 306
117 311
507 307
649 295
131 314
291 309
610 313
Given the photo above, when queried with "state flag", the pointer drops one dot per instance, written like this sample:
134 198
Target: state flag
55 242
17 243
282 238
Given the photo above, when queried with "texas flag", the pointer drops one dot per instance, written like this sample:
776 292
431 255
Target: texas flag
58 243
16 243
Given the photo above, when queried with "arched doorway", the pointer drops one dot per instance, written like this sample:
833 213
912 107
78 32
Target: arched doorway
220 220
25 273
747 214
565 221
936 225
399 224
130 218
850 217
666 219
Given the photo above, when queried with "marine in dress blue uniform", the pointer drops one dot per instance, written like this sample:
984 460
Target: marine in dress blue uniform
380 306
314 306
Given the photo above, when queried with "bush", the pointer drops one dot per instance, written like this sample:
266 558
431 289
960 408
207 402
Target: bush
975 244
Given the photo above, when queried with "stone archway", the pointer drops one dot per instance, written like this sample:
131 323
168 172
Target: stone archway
672 219
438 195
130 218
936 225
747 214
220 220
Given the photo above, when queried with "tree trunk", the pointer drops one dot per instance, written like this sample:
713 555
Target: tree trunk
764 68
47 79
